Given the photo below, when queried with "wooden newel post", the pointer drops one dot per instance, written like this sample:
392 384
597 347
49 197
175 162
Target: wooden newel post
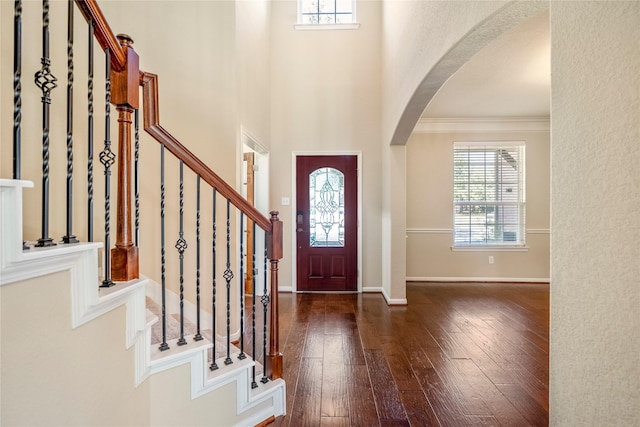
125 94
274 253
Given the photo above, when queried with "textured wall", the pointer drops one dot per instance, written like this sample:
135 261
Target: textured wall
595 267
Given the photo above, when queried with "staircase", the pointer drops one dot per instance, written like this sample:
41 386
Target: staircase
67 307
88 303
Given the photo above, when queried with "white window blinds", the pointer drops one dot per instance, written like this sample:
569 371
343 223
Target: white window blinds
489 193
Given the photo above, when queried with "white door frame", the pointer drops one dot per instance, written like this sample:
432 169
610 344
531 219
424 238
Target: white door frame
261 189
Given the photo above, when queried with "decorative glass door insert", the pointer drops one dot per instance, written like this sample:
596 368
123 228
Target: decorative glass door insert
326 208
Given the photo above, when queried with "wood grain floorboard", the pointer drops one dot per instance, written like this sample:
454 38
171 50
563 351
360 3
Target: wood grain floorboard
334 391
384 388
457 355
306 405
362 405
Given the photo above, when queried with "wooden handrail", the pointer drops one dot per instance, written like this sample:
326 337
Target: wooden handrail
92 13
149 83
126 78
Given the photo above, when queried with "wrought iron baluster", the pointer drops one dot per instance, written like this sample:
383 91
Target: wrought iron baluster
136 176
213 365
46 82
254 384
181 245
17 88
107 158
17 93
198 336
241 356
163 259
69 237
265 305
228 275
90 135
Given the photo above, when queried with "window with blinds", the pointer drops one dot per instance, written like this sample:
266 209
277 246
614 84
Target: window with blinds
489 193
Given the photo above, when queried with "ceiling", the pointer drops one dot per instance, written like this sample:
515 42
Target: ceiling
510 78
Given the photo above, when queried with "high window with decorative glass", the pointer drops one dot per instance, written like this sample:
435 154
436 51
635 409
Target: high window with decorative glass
489 193
326 11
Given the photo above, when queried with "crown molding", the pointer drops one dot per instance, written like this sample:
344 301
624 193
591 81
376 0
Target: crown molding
482 124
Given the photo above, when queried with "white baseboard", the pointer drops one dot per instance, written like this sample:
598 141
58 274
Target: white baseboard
480 279
393 301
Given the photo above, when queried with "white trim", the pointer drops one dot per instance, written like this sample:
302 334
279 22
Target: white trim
251 141
489 248
483 124
372 289
313 27
429 231
294 252
538 231
426 230
480 279
11 222
488 144
288 289
393 301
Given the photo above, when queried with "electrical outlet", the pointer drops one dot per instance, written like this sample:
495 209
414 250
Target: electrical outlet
490 260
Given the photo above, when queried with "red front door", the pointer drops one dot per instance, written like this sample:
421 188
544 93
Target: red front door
327 223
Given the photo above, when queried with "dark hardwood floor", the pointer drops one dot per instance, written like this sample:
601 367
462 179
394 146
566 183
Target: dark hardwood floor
459 354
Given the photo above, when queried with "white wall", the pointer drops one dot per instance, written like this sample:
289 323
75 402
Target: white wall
325 91
254 72
595 258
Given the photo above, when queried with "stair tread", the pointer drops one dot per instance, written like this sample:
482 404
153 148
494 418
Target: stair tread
173 330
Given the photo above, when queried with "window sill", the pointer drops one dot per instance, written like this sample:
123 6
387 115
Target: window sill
490 248
312 27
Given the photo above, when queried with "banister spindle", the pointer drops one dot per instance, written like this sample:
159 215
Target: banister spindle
163 259
17 88
264 299
198 336
90 133
46 82
228 275
242 355
107 158
69 237
213 365
254 384
17 92
181 246
136 176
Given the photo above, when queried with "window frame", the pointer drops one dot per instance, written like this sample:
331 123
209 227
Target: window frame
301 25
520 203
